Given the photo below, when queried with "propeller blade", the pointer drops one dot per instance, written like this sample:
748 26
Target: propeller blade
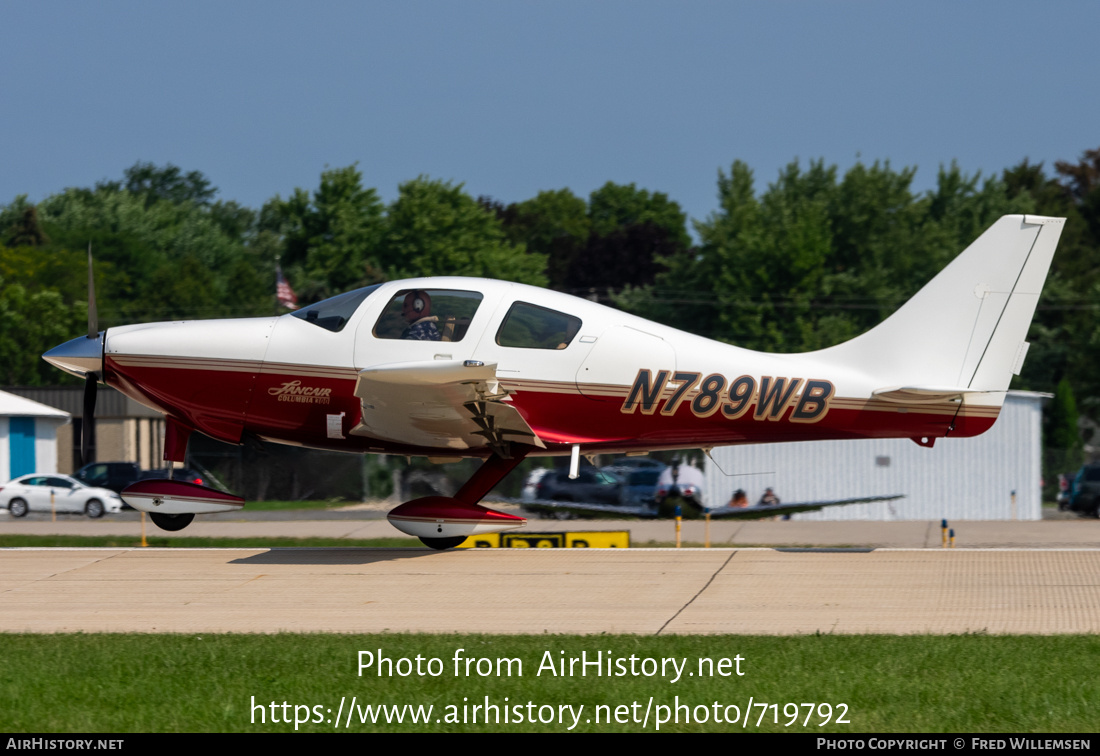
93 317
90 387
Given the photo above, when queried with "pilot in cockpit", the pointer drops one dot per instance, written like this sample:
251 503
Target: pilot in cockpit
417 311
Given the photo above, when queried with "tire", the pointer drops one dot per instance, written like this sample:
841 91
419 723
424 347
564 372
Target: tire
94 508
17 508
171 522
439 544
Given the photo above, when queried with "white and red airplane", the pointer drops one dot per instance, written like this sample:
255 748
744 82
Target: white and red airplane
454 367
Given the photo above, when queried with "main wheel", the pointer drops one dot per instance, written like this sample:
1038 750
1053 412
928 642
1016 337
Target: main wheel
94 508
171 522
439 544
17 507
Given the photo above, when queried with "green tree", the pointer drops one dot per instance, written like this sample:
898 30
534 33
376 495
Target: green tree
554 224
1063 448
435 228
31 323
330 239
168 183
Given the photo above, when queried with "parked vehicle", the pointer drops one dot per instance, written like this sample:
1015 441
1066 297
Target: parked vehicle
113 475
640 486
1085 496
117 475
625 465
179 473
33 493
591 485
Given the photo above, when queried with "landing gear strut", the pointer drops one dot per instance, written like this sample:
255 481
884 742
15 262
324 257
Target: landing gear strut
443 522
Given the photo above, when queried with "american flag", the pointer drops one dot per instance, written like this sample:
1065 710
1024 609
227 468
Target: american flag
283 293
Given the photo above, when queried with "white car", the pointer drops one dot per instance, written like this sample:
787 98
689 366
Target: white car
32 493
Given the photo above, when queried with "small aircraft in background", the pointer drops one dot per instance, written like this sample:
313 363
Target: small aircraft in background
655 493
453 367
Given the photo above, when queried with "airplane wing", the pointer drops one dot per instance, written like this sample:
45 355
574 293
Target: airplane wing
755 512
758 511
580 508
448 404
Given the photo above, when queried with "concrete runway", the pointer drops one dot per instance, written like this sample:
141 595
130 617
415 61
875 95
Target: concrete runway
703 591
1012 577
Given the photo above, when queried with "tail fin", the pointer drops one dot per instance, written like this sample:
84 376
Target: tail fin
965 330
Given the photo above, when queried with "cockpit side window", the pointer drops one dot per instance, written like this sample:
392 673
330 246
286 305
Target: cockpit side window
428 315
333 313
529 326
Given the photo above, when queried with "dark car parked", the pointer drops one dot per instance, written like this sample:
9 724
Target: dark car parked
113 475
591 486
1085 495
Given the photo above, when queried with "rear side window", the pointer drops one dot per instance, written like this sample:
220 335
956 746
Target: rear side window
529 326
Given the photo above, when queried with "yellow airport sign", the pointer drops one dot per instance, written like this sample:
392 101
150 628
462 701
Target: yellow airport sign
581 539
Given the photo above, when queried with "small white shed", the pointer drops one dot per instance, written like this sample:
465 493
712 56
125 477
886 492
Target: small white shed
959 478
28 436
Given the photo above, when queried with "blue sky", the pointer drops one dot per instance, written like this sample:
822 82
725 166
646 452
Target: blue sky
514 97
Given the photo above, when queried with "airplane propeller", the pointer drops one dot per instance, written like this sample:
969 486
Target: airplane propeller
90 378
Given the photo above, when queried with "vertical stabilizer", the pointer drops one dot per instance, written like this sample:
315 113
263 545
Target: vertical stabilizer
966 328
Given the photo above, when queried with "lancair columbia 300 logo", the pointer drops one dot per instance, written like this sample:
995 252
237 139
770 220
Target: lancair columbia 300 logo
771 395
294 391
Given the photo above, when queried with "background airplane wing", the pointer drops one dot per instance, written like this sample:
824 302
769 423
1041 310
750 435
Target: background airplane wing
580 508
447 404
759 511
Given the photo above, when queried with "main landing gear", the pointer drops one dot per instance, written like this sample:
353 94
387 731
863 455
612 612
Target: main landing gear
171 522
443 522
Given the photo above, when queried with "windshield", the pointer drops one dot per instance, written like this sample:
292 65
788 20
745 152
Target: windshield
333 313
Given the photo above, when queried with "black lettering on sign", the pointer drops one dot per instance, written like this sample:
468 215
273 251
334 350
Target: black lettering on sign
645 392
775 395
686 381
814 402
706 396
706 402
740 397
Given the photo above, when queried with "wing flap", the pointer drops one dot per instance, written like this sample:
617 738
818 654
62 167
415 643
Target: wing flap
447 404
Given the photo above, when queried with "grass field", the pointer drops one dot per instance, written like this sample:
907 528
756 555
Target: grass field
227 683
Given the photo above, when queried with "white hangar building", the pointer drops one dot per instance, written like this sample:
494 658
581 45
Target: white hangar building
28 436
959 478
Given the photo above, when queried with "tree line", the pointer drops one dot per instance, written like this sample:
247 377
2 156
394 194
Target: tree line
812 259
